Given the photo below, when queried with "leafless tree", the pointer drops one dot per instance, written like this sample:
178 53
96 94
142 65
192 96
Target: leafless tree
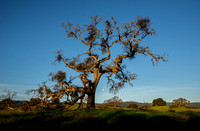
113 102
100 37
7 99
9 94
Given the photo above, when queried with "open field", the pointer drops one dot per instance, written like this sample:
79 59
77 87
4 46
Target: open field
179 109
101 118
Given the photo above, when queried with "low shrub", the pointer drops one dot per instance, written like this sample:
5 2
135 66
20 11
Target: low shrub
31 105
7 102
171 110
133 106
145 108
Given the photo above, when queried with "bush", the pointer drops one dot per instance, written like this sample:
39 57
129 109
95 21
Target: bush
171 110
7 100
34 101
5 103
25 106
159 102
145 108
133 106
33 104
173 106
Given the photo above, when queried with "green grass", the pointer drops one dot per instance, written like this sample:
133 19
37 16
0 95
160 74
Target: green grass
160 108
101 118
179 109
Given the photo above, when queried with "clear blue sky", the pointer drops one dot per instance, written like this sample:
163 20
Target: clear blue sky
31 32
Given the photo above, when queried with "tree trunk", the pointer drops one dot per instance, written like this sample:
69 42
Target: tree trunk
91 95
91 101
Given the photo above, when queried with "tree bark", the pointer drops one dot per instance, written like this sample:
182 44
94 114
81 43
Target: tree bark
91 95
91 101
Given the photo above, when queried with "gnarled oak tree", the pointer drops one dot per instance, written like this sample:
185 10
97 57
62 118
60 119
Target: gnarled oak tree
100 36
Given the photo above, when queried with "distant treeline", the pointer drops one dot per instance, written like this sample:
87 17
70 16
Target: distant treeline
124 104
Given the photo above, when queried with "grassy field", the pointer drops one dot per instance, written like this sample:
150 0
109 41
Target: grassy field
179 109
156 118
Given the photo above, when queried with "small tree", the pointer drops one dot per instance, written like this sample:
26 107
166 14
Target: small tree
9 94
133 106
159 102
180 102
114 102
7 100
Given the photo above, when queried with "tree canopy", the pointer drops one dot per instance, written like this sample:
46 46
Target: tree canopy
180 102
159 102
100 37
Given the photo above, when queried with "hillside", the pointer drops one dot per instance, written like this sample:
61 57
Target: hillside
195 104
